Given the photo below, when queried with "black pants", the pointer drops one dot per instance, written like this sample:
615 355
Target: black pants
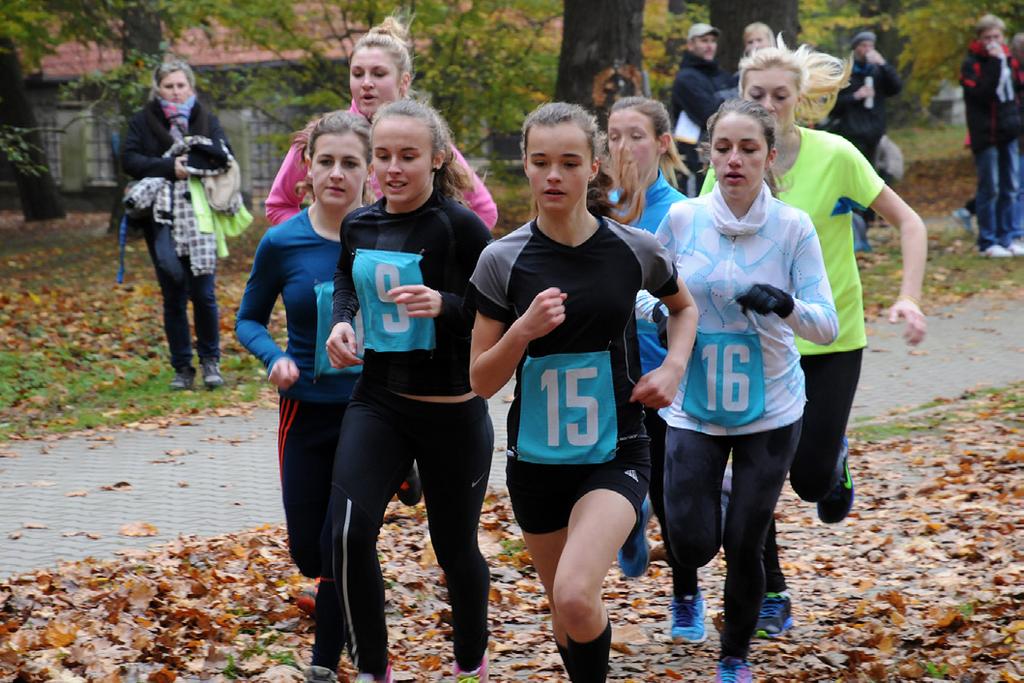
656 430
694 466
307 437
382 435
201 291
831 381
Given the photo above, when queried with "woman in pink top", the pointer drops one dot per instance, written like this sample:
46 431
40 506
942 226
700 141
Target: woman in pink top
380 72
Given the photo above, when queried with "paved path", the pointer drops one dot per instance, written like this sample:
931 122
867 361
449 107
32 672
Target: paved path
220 474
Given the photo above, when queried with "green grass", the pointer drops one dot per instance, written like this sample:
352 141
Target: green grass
954 271
1003 404
116 392
930 143
80 352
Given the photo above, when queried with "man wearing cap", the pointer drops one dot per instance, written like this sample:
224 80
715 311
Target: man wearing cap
859 113
699 89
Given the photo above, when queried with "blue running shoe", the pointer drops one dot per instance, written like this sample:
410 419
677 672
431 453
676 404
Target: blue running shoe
963 217
734 670
688 619
635 553
775 617
836 505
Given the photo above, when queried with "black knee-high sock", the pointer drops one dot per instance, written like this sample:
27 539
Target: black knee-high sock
566 660
330 626
590 660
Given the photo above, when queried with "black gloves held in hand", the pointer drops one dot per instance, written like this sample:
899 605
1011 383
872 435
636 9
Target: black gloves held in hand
765 299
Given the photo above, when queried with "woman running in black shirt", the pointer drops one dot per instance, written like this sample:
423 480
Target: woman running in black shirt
404 266
555 303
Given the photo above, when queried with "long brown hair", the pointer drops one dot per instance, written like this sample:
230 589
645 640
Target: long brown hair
761 116
333 123
555 113
629 204
452 179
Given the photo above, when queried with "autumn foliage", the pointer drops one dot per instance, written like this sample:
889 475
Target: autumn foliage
924 582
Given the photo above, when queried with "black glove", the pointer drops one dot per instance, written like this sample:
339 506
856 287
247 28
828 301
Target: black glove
765 299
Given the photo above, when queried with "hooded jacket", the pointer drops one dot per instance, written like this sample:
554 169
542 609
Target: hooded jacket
700 88
989 120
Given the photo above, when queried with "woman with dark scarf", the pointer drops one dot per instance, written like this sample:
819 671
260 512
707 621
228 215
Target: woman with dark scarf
184 257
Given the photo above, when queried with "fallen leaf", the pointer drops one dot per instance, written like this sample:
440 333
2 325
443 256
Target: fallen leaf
60 634
138 529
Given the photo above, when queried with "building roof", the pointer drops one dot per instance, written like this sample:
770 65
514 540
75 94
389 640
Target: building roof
196 45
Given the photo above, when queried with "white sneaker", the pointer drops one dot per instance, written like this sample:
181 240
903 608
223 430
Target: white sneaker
997 251
1017 248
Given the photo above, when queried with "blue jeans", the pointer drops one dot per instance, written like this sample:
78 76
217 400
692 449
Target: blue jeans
176 295
1018 231
998 185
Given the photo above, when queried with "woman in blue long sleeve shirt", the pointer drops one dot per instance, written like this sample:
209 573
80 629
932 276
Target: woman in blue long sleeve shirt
291 260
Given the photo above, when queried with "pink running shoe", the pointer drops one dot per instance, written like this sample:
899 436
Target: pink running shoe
477 675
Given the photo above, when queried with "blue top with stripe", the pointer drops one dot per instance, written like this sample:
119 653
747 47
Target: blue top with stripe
290 259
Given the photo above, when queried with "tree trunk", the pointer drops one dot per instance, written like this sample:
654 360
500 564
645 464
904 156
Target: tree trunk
143 31
601 60
143 34
40 199
732 16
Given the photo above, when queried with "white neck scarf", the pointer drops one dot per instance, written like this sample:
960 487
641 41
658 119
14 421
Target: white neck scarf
1004 91
727 224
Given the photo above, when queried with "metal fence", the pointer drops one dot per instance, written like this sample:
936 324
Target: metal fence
101 167
264 156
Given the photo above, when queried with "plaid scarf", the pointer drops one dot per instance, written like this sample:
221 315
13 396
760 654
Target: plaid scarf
200 247
177 115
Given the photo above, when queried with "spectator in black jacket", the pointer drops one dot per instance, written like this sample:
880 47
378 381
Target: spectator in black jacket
859 111
183 257
699 89
991 79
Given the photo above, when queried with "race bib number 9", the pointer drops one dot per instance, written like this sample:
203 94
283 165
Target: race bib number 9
567 410
387 326
725 379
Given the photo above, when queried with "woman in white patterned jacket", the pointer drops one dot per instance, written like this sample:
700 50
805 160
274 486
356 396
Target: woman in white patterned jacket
754 267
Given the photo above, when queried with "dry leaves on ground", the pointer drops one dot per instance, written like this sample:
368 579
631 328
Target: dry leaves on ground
924 582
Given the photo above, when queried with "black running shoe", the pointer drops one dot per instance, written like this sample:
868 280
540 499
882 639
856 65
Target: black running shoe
835 506
411 490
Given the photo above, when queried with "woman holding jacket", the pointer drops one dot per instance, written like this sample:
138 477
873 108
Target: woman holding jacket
184 257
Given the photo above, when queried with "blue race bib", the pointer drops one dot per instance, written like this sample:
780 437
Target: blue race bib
567 410
324 292
725 379
386 325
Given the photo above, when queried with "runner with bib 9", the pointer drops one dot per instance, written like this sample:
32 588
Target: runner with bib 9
555 306
404 266
755 269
